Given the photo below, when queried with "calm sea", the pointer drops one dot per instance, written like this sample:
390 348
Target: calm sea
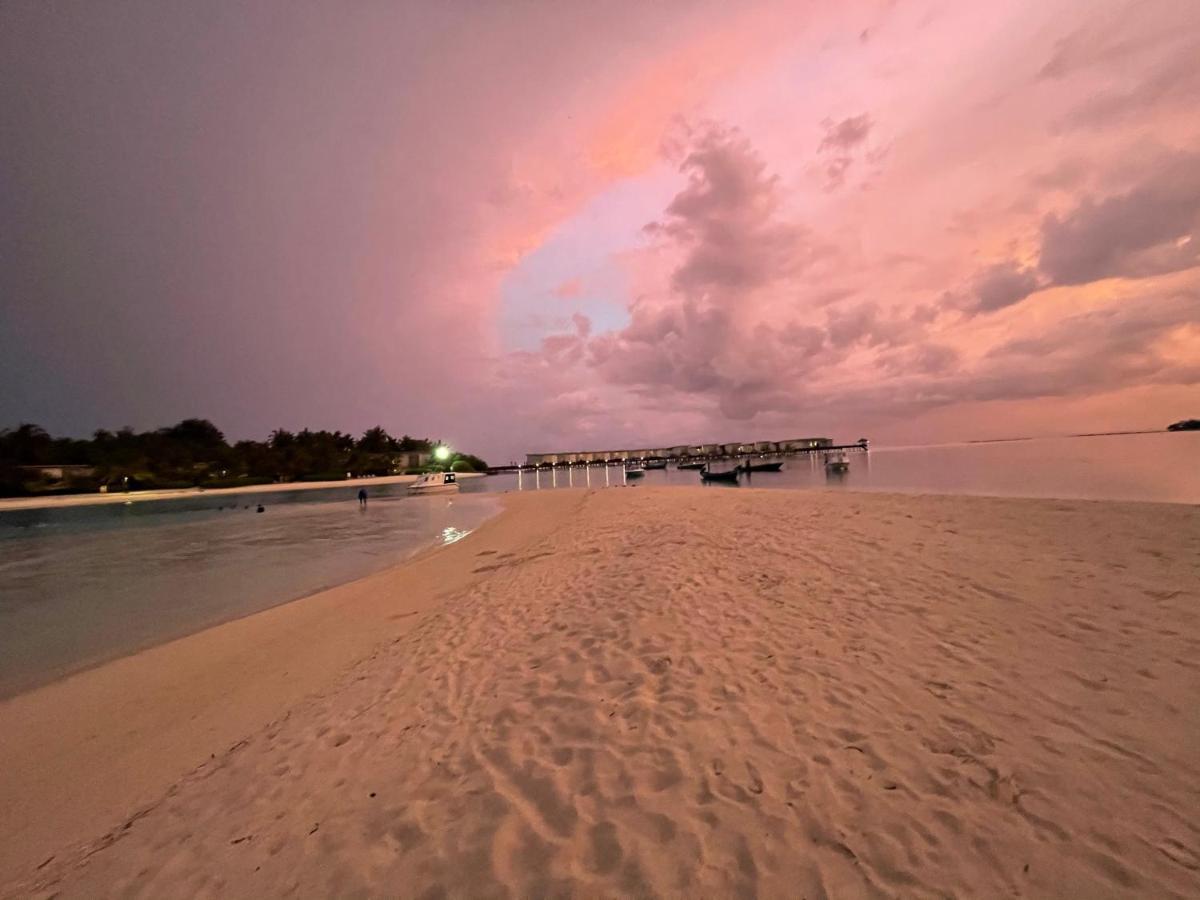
1161 467
79 585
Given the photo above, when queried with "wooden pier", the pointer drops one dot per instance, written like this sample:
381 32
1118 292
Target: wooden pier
862 446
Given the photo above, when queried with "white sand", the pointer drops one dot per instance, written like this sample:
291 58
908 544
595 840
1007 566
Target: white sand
98 499
672 692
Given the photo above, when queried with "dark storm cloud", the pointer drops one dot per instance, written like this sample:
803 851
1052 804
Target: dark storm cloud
1150 229
1079 356
925 359
1003 285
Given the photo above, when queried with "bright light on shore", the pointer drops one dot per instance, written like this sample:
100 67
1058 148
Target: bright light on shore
441 452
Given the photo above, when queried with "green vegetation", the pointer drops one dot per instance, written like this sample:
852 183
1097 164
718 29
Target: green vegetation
195 453
1185 425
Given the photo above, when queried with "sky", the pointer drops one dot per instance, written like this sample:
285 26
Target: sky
537 226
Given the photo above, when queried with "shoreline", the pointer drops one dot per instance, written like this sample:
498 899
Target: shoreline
70 772
60 500
617 692
15 687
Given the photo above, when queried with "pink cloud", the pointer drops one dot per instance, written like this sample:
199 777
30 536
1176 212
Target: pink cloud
877 213
569 289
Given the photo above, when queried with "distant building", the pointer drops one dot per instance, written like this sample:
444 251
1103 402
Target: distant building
410 460
54 474
804 443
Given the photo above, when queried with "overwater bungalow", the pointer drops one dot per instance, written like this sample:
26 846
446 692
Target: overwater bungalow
678 452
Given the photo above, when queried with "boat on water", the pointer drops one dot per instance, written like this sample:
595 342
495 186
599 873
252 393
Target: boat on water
635 470
730 475
434 483
656 464
776 466
691 465
837 462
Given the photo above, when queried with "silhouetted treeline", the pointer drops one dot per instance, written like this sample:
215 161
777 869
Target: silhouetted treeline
195 453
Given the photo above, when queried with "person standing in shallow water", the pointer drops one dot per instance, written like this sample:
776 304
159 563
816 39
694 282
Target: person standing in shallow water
362 497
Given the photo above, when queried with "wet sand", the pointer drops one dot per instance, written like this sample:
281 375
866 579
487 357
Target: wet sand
673 692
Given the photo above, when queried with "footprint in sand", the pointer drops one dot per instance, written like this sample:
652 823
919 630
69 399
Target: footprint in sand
756 782
606 852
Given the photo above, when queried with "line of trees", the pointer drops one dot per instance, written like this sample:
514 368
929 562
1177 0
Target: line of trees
195 453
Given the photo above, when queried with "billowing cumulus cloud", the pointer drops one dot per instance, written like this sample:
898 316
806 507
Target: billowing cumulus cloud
720 332
726 222
704 333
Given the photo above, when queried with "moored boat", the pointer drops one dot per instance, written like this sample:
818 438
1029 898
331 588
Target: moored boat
656 464
730 475
434 483
763 466
691 465
837 462
635 470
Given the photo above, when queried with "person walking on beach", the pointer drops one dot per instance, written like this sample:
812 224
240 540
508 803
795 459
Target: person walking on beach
362 497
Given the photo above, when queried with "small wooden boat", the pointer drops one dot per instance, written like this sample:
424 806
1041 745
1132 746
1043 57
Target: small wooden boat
434 483
656 464
764 466
691 465
729 476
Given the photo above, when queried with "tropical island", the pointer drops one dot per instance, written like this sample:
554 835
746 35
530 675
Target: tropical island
1185 425
195 453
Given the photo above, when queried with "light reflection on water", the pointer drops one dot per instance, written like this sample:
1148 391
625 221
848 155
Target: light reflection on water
1161 467
452 535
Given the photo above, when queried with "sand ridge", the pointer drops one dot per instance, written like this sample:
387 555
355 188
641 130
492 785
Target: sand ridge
701 692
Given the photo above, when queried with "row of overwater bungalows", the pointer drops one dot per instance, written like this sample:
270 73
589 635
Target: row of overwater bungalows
679 452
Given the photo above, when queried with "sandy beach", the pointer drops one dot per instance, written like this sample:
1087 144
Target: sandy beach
97 499
657 692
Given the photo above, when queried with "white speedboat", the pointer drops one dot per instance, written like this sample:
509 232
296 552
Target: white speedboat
837 462
434 483
635 470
